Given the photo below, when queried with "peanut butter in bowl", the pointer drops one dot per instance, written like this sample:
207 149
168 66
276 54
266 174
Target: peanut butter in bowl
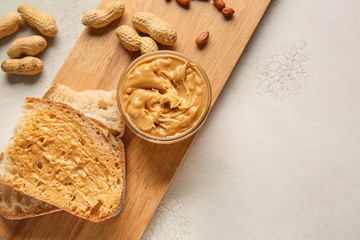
164 96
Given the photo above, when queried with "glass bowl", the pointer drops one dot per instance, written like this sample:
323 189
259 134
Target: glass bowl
178 137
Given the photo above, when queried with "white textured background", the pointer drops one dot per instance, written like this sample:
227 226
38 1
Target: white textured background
279 156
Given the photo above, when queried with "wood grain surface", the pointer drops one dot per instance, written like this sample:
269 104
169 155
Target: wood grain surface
97 61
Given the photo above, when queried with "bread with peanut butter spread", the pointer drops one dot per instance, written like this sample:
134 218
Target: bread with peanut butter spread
17 205
97 104
60 156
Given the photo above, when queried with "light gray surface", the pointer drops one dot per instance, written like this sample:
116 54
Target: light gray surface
278 158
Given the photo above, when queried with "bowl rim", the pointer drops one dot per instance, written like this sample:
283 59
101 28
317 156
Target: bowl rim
187 133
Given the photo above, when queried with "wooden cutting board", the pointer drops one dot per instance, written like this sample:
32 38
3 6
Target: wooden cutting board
97 61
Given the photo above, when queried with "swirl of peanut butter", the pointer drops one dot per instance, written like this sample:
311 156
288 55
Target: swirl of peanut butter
164 96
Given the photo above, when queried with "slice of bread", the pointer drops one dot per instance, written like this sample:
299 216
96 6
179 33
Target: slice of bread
97 104
60 156
17 205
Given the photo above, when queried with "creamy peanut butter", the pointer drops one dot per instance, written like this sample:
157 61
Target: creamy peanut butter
164 96
54 152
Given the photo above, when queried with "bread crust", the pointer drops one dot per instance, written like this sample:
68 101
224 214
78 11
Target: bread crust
92 124
11 215
51 90
123 164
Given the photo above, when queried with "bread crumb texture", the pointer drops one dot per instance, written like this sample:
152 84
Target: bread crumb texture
55 158
16 205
